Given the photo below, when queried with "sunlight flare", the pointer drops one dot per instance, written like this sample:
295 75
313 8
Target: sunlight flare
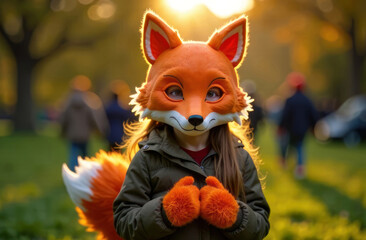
227 8
183 6
222 9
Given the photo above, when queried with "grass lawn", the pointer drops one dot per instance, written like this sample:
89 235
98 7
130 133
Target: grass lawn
329 204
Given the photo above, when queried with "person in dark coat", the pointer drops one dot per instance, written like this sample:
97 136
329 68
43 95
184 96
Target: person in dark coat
117 116
257 115
299 114
83 113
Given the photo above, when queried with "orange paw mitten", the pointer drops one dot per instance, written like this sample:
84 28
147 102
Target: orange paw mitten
218 206
182 204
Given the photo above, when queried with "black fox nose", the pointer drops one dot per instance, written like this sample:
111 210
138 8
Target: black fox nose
195 120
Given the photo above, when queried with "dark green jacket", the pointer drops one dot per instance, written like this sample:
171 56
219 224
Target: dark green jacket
155 168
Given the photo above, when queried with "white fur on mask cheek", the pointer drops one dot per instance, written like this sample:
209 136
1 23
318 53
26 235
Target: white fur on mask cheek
215 119
176 120
248 108
164 116
172 118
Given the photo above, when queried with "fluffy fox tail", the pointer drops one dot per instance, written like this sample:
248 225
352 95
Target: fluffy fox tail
93 188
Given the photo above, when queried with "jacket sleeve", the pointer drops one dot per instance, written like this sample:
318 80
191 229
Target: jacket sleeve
252 221
314 114
285 115
136 215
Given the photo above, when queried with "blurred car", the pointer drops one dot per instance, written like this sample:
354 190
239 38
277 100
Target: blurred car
348 123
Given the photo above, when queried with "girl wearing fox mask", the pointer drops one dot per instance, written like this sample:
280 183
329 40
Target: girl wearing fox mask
192 174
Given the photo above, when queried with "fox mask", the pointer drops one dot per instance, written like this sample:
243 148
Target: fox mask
192 86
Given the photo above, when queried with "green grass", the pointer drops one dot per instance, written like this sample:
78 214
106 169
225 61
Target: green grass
33 200
329 204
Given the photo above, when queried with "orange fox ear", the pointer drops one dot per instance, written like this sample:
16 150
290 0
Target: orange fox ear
231 40
157 37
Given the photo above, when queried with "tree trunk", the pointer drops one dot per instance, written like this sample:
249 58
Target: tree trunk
24 114
24 117
357 62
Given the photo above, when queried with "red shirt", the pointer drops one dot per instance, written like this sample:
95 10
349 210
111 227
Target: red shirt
198 156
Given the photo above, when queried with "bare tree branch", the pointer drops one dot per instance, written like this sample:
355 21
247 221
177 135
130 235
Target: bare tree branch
6 37
65 43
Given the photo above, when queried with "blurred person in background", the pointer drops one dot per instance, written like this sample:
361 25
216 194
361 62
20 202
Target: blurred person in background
298 115
257 115
118 112
83 113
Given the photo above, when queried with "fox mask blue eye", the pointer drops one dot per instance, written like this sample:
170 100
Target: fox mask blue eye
214 94
174 92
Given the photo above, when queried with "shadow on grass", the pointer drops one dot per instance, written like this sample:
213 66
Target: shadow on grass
337 202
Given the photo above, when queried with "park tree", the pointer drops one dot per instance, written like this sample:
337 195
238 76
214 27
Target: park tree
49 40
25 29
327 39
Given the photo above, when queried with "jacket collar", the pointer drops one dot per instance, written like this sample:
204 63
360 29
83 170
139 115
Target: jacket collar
162 140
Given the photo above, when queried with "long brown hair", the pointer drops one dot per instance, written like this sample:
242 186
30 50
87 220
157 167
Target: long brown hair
226 165
134 133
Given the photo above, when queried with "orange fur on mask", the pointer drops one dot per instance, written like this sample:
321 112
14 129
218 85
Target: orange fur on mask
218 206
181 203
194 65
